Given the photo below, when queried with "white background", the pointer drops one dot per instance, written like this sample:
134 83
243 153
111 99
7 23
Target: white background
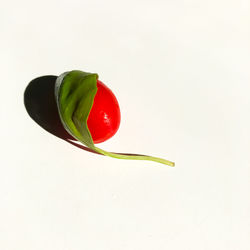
180 70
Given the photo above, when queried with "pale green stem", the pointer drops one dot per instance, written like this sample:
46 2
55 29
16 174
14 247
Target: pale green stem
135 157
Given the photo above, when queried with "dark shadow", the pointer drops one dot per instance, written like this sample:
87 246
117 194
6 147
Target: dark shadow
40 103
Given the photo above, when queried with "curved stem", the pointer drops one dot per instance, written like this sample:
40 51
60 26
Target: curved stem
136 157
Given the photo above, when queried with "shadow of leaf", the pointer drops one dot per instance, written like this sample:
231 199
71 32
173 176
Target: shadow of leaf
40 103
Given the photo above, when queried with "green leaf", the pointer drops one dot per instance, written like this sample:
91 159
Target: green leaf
75 92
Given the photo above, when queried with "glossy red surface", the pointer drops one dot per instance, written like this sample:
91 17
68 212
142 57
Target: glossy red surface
104 118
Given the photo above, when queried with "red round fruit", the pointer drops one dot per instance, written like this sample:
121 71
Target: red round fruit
104 117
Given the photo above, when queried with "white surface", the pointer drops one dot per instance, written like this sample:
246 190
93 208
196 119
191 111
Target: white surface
180 70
